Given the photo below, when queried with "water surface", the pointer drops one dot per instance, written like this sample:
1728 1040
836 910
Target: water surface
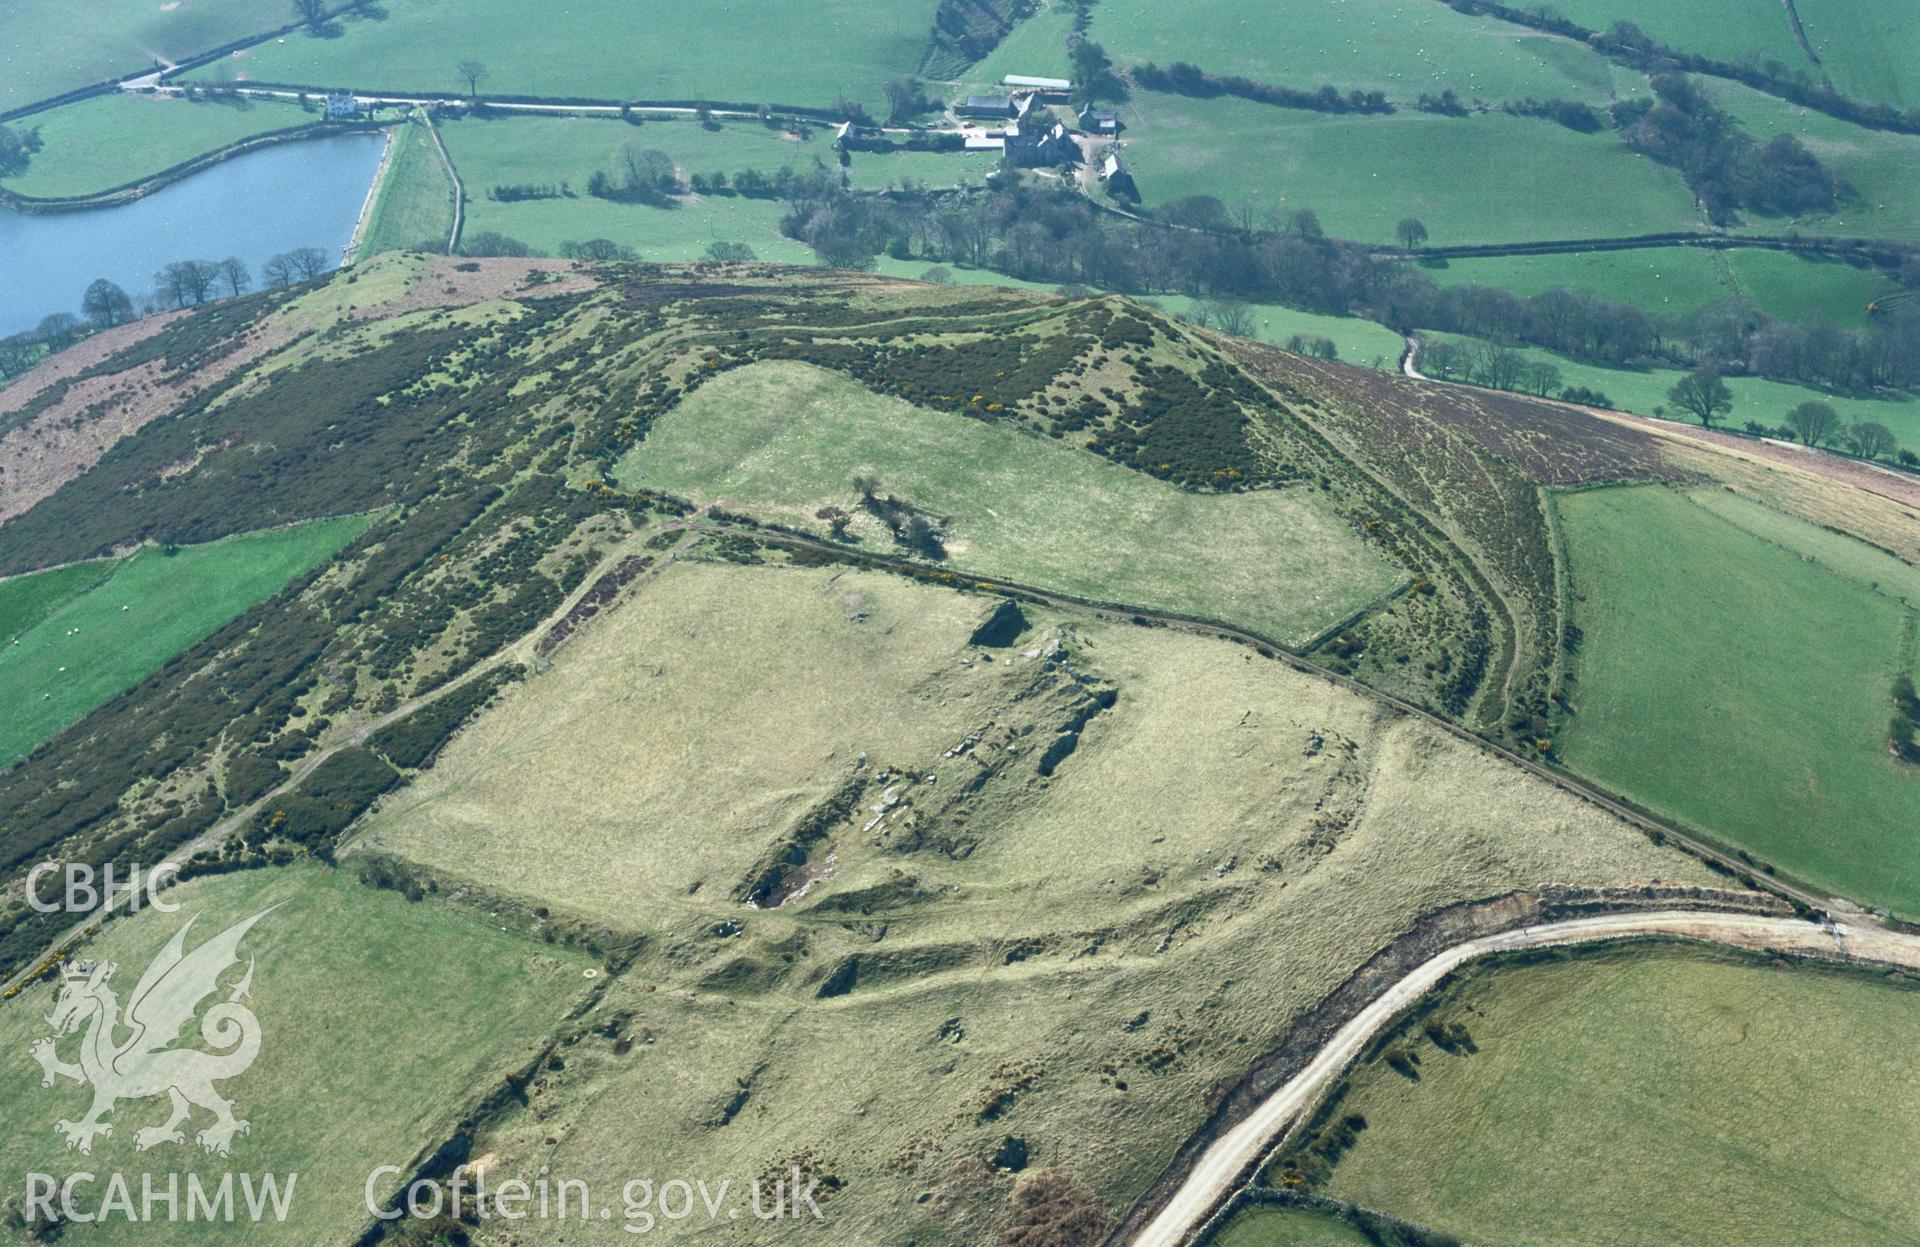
253 206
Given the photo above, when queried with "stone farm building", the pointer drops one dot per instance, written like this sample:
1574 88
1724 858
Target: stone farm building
1053 146
996 106
1099 121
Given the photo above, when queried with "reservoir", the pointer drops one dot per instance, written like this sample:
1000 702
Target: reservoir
254 206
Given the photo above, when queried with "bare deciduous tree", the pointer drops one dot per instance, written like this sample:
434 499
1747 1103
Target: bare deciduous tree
233 271
185 282
473 73
307 262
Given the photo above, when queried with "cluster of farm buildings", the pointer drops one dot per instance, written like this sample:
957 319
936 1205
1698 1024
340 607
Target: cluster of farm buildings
1007 122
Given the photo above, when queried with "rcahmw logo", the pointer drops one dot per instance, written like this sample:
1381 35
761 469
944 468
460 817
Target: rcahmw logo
167 997
130 1054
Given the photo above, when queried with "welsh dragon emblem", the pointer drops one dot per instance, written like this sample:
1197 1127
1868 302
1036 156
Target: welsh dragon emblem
145 1063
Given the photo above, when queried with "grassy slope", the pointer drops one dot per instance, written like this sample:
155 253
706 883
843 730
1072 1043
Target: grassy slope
1363 174
608 49
1778 741
1196 838
1036 47
379 1018
1371 44
788 439
879 171
1870 47
506 151
415 203
26 600
112 140
1287 1227
1668 282
1673 281
75 46
52 678
1790 288
1878 164
1736 30
1653 1097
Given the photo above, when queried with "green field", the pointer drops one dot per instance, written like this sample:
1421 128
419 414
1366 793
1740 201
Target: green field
1667 281
1363 174
1035 47
1878 164
379 1021
1362 342
880 171
111 140
1287 1227
78 45
1643 391
776 51
415 202
70 646
1789 287
1727 30
1674 281
507 151
1742 684
1650 1096
26 600
1383 45
1870 48
787 439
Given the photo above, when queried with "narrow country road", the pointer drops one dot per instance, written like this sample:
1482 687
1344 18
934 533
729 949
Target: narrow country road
1237 1155
1410 359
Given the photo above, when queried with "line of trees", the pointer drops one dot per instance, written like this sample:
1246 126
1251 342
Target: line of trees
1182 78
1281 255
189 283
1492 365
184 283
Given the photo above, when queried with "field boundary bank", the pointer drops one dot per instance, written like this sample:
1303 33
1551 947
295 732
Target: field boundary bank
127 192
1727 860
1428 936
1757 933
106 87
